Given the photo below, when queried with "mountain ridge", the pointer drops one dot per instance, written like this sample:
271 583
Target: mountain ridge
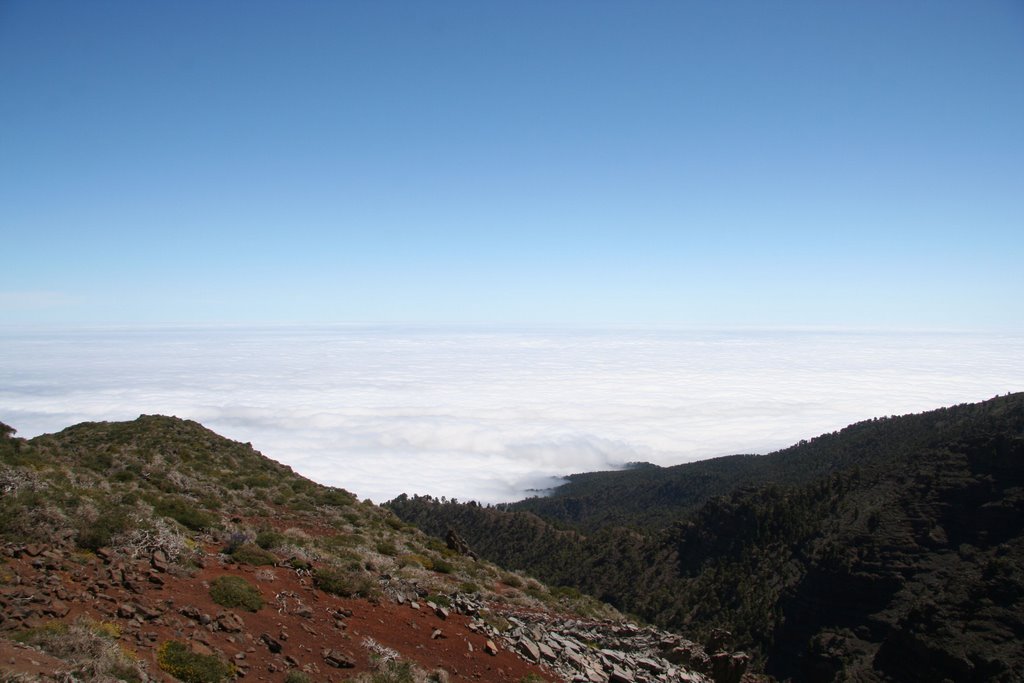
157 550
852 556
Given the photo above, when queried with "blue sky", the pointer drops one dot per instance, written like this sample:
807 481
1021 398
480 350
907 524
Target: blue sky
681 163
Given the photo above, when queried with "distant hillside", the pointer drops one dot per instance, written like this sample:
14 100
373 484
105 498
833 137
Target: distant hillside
892 550
652 496
156 550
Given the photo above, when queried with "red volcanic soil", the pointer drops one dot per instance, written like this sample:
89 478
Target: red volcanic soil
153 604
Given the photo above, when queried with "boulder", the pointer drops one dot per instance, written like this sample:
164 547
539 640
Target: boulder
459 545
529 649
728 667
230 622
272 645
337 658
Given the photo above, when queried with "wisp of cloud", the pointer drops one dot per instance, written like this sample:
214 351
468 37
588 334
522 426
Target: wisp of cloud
489 414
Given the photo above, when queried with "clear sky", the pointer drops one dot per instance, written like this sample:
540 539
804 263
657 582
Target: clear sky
852 164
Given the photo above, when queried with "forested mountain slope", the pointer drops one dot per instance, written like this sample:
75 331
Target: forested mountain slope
891 550
646 495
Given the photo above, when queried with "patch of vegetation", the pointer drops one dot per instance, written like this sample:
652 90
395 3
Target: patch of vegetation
512 580
443 566
250 553
183 511
234 591
268 539
99 532
343 584
387 548
178 660
412 559
336 497
90 647
38 634
296 676
394 672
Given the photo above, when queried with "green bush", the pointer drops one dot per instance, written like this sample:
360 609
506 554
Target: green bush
177 659
440 600
339 542
387 548
343 584
234 591
414 559
249 553
337 497
182 511
394 672
268 539
98 533
512 580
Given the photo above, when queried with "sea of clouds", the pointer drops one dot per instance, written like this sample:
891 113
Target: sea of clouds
490 414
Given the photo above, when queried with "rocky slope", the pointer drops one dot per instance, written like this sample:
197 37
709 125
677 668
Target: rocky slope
156 550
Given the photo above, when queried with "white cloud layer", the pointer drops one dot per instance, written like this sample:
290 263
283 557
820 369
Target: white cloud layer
487 414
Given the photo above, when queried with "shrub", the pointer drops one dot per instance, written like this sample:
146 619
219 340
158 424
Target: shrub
394 672
443 567
337 497
39 634
177 659
183 512
343 584
440 600
512 580
295 676
339 542
249 553
387 548
234 591
89 646
268 539
414 559
94 534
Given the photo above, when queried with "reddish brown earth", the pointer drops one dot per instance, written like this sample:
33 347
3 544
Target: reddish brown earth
151 605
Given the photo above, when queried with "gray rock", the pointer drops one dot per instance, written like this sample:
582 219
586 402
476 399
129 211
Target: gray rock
529 649
230 622
271 644
338 658
617 675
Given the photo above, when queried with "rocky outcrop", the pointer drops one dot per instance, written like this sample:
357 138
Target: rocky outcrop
581 651
459 545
